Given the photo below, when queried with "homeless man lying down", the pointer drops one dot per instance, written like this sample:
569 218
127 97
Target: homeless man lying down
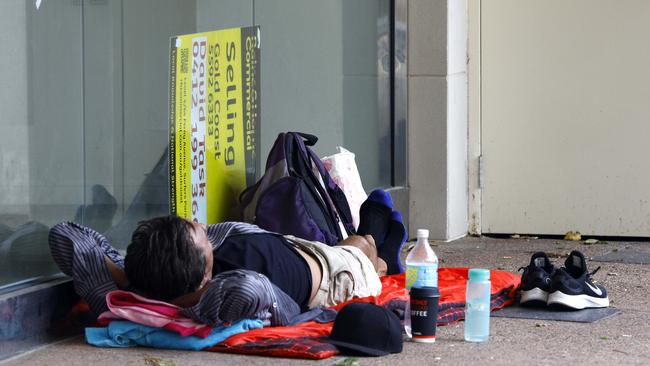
229 271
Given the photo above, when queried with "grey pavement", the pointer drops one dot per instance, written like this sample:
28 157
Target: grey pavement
623 339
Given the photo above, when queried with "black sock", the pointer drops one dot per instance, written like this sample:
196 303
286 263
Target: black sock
374 219
390 251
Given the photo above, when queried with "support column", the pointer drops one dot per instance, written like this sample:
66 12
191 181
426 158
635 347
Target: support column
437 109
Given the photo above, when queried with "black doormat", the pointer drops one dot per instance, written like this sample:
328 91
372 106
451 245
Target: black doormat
579 316
625 256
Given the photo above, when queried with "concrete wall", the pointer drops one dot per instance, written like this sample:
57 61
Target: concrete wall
438 117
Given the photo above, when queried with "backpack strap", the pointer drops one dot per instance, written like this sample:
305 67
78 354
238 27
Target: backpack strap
339 206
308 139
301 161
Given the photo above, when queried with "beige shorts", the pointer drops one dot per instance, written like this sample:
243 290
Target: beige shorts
347 272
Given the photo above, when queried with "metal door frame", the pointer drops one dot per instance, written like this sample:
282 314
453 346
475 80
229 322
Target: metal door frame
474 150
399 105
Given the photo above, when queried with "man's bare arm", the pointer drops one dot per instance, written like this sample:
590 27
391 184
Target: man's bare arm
117 273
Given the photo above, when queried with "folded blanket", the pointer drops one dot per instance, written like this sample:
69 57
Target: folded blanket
122 333
125 305
303 348
158 314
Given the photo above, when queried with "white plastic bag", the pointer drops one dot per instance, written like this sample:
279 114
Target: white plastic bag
343 170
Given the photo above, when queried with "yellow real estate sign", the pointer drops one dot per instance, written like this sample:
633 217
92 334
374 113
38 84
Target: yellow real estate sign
214 104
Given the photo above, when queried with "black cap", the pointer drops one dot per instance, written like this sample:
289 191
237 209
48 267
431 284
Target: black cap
424 292
368 329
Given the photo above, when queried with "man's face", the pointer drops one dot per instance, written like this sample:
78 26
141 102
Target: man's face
200 237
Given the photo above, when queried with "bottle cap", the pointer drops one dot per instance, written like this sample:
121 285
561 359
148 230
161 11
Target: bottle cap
423 233
479 274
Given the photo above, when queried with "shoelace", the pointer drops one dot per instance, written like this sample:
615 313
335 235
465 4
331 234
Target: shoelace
524 268
594 271
590 274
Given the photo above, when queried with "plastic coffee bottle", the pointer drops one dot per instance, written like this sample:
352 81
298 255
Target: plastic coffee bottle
477 306
422 263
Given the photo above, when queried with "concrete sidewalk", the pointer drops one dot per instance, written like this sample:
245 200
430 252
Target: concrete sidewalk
623 339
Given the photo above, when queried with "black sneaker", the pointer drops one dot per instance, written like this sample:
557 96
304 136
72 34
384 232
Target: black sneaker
572 286
536 280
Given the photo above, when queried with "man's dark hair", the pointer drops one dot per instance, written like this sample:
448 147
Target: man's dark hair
163 262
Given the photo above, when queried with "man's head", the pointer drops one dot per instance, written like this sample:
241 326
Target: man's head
168 257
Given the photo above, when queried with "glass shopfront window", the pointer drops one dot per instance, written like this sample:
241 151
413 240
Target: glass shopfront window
41 131
84 93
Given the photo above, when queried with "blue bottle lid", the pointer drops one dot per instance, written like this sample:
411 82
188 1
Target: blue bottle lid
479 274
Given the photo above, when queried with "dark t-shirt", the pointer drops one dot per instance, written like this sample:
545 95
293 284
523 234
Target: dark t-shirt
271 255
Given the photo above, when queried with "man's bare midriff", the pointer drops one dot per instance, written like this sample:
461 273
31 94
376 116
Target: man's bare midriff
316 272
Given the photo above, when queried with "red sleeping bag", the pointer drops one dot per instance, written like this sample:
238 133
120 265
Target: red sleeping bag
301 341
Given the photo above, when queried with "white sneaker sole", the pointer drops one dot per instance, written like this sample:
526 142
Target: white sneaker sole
577 302
534 295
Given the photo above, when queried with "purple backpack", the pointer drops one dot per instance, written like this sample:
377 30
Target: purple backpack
296 195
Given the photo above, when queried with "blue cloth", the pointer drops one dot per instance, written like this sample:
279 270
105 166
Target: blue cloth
129 334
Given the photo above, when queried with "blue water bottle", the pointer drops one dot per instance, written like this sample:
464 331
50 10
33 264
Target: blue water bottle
477 306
